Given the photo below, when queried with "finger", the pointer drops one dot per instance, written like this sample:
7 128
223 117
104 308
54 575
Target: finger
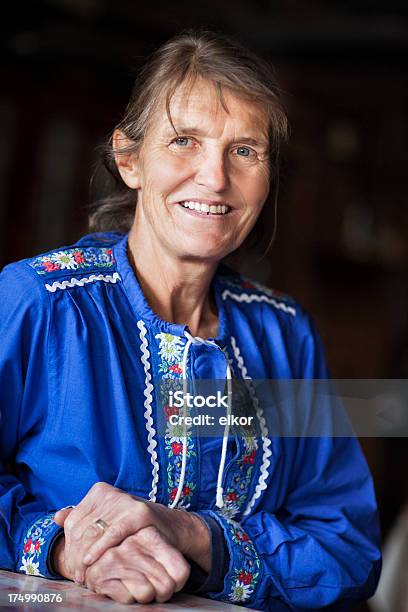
155 544
74 528
95 498
115 589
126 561
88 536
157 574
83 534
114 535
140 517
162 582
74 524
142 590
61 515
136 583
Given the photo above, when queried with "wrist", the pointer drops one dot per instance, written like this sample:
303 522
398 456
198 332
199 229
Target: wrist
58 558
196 537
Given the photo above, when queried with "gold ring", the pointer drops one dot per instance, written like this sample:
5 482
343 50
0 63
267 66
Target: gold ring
101 524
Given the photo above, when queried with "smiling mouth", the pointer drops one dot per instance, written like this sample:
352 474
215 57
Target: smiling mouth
207 209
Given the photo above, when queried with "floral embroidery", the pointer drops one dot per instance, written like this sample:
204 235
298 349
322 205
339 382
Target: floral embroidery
239 479
229 510
246 572
251 445
170 351
29 567
242 580
241 591
244 283
33 544
74 259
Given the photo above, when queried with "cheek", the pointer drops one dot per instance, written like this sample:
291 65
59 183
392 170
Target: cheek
164 175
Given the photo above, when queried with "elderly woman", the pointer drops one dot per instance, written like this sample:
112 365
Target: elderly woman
89 331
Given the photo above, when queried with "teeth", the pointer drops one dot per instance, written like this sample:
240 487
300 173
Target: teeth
220 209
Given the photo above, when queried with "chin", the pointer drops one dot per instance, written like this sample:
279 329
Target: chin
203 251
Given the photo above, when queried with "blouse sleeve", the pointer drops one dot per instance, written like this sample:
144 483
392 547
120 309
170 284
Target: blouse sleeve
26 526
322 548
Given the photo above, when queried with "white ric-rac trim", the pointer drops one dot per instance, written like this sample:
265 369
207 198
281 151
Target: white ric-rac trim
266 442
148 410
254 297
80 282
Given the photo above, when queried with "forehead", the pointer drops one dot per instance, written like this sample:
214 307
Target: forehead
200 105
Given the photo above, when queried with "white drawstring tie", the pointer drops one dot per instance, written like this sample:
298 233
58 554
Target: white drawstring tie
219 501
219 494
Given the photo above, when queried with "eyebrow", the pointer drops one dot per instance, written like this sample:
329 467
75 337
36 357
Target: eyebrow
195 131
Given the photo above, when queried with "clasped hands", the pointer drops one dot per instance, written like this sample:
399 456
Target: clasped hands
141 554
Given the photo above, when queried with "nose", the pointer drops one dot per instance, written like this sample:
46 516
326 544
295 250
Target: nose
212 171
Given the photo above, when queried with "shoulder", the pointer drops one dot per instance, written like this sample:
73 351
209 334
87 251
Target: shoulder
243 290
65 265
276 320
266 308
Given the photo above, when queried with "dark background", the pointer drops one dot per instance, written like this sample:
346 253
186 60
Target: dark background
342 243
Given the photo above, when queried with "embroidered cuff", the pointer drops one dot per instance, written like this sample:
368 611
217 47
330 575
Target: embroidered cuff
245 568
36 545
199 581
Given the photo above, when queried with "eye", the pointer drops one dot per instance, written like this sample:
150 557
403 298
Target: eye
245 152
183 145
182 141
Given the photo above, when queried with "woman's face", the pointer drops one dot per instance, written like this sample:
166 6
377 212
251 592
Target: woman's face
200 190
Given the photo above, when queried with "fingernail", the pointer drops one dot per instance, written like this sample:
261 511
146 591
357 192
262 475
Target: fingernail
64 508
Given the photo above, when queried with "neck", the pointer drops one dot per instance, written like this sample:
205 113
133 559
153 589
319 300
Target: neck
178 291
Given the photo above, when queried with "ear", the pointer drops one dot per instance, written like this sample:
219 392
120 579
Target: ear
127 163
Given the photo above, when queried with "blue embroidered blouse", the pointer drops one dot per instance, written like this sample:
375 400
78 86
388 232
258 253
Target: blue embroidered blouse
81 357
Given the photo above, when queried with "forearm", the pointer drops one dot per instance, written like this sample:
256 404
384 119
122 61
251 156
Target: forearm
27 530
